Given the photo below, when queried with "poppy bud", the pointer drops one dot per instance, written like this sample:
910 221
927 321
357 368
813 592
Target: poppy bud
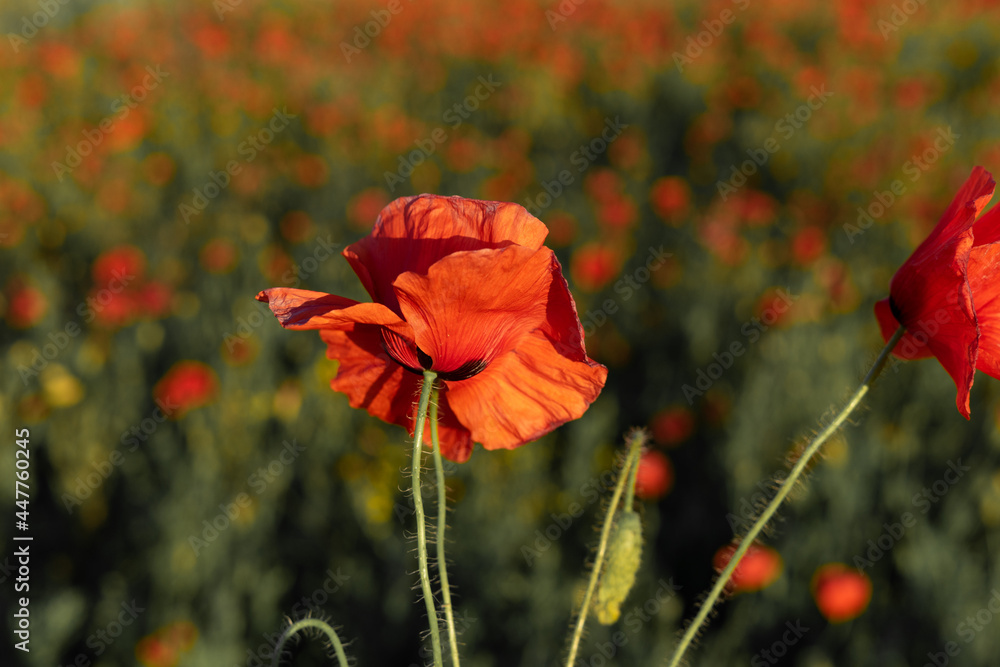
624 556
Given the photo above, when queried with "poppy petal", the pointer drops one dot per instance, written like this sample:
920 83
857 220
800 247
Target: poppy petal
369 376
960 215
908 346
372 380
472 307
454 439
942 314
987 228
412 233
525 393
945 340
984 279
305 309
932 297
562 322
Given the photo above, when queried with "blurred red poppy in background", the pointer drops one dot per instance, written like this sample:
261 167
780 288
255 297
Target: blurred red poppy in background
841 592
26 304
466 289
186 386
946 293
124 263
655 475
760 567
166 646
593 266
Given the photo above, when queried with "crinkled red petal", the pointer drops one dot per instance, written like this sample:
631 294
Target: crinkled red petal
472 307
305 309
412 233
525 393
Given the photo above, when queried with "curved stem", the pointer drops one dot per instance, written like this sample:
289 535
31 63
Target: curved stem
309 623
633 473
636 440
779 497
441 524
418 506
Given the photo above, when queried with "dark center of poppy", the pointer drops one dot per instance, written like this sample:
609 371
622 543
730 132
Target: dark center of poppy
402 351
895 311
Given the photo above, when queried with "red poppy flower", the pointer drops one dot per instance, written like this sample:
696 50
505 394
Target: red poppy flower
947 294
673 425
27 304
760 567
464 288
186 386
123 263
655 475
841 592
594 266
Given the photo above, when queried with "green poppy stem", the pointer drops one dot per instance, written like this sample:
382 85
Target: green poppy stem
632 475
786 488
442 500
635 442
309 623
418 506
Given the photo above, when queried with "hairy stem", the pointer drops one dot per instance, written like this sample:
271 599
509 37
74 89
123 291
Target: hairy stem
786 488
418 506
442 522
309 623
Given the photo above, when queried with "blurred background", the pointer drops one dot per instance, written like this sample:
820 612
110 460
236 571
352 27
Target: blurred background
729 186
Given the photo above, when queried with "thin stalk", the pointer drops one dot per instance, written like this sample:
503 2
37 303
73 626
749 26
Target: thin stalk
309 623
630 489
779 497
636 441
441 524
418 506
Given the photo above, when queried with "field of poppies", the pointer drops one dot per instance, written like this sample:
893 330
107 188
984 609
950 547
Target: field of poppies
729 188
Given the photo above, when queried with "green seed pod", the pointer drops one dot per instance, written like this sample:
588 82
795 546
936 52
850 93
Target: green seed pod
624 555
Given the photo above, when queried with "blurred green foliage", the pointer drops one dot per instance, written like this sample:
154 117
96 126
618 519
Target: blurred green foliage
724 164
